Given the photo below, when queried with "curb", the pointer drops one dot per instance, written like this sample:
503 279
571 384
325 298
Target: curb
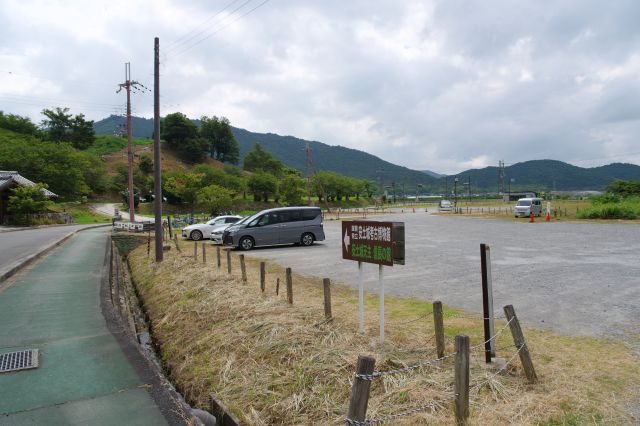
22 263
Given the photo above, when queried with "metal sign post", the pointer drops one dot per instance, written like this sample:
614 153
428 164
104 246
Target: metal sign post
381 315
487 302
361 297
381 243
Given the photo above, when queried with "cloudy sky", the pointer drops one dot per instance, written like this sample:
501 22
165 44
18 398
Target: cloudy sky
439 85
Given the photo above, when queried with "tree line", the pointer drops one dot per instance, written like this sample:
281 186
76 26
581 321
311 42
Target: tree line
57 152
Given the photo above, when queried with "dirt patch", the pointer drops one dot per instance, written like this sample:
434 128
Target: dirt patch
275 363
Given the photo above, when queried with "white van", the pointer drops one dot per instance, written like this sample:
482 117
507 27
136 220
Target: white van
525 207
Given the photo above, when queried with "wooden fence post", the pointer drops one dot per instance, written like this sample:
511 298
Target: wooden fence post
521 344
277 286
243 269
204 253
263 275
360 390
228 260
175 240
289 286
195 250
218 254
461 383
326 283
438 325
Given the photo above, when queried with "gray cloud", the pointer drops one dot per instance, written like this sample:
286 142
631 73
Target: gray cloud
441 85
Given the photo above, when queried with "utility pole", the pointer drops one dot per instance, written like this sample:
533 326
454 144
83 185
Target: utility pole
455 194
501 175
128 84
380 172
307 154
157 182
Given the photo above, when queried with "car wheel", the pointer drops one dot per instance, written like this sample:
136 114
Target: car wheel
306 239
246 243
196 235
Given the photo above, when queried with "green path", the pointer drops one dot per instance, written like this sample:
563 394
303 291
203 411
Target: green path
84 377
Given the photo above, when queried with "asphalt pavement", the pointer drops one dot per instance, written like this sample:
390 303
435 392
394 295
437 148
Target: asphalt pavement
575 278
19 244
89 372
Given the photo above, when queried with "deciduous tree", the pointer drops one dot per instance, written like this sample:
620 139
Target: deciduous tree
216 199
60 126
26 200
262 186
259 159
222 144
182 136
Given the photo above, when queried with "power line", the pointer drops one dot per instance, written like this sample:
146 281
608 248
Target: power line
182 40
205 30
55 100
220 28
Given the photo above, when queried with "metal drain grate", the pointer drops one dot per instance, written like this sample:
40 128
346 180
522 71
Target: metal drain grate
20 360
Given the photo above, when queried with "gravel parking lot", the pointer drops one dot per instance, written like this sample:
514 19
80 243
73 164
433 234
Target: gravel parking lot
576 278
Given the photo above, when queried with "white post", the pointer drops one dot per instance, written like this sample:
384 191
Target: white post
490 293
361 296
380 276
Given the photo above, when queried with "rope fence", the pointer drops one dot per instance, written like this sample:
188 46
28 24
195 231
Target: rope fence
365 374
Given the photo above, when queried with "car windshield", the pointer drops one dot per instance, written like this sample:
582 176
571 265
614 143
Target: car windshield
525 203
243 220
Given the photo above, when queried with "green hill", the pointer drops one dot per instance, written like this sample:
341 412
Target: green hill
549 175
291 151
536 175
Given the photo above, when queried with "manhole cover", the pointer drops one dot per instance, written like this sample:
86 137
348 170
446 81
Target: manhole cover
20 360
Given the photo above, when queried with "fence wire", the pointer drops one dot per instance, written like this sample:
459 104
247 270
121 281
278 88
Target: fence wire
495 336
381 420
420 364
477 386
377 374
436 404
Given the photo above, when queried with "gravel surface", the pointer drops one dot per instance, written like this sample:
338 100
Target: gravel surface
575 278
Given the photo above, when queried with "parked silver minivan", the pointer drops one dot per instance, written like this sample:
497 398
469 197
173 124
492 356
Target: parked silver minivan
285 225
525 207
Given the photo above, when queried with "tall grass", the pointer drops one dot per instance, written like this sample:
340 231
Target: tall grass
608 207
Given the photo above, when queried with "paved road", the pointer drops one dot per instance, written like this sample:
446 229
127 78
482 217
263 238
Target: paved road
15 246
84 376
108 209
581 279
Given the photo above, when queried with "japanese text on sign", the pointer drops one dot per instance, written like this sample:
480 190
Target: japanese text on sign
368 241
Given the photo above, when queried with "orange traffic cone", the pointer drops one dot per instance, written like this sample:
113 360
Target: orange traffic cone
548 216
532 218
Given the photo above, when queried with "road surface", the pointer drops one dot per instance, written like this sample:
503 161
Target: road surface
576 278
15 246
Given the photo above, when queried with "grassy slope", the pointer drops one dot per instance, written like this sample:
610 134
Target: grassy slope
82 213
274 363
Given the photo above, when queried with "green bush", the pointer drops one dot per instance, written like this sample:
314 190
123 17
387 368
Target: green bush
629 209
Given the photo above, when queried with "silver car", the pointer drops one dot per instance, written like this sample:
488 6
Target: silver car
286 225
218 230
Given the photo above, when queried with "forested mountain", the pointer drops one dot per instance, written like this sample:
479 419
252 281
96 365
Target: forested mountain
549 175
537 175
291 151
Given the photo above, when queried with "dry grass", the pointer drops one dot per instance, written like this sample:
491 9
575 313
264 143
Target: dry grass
275 363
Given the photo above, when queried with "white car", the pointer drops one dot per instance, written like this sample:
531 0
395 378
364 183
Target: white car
445 206
218 230
198 230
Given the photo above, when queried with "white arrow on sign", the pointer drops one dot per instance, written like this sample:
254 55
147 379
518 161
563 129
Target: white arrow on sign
346 240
